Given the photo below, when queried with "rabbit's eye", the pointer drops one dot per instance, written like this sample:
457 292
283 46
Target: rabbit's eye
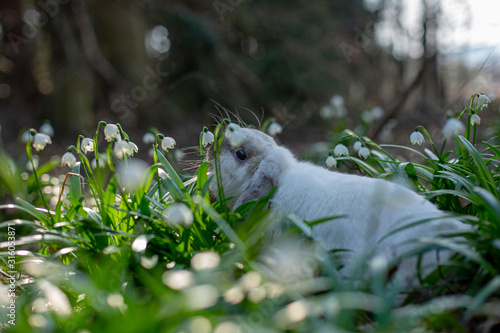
241 155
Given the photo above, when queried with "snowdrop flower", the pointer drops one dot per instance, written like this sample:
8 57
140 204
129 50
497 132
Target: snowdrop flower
234 135
87 145
416 138
207 138
327 112
102 162
178 214
40 141
132 174
47 129
26 136
122 148
475 120
68 159
364 152
357 146
274 129
340 150
482 101
111 132
205 260
377 112
133 148
337 101
367 116
331 162
453 127
168 143
149 138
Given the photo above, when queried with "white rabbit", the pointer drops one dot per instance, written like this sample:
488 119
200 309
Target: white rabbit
372 208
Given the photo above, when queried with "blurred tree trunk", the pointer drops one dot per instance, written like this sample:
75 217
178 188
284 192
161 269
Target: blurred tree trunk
432 99
17 66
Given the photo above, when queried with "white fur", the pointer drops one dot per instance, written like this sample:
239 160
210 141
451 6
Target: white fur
372 207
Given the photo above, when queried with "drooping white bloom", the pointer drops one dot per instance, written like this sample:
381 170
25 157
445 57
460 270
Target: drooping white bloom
149 138
205 260
337 101
475 120
207 138
102 162
364 152
133 148
26 136
177 280
132 174
234 135
367 116
340 150
47 129
377 112
111 132
453 127
68 159
40 141
168 143
482 101
178 214
416 138
122 148
331 162
87 145
357 146
327 112
274 129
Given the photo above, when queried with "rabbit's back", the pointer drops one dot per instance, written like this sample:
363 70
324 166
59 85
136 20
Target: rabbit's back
370 208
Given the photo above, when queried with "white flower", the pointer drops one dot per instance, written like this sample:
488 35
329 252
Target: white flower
367 116
111 132
132 174
207 138
149 138
47 129
205 260
40 141
168 143
453 127
87 145
102 162
234 135
133 148
68 159
337 101
122 148
340 150
416 138
482 101
331 162
178 214
274 129
475 120
327 111
377 112
357 146
364 152
26 136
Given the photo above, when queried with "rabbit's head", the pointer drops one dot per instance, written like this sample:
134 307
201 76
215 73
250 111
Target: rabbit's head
249 166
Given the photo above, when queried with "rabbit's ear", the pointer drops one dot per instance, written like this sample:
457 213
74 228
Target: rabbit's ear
266 176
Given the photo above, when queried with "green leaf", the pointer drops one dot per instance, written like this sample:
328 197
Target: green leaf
75 184
484 176
492 287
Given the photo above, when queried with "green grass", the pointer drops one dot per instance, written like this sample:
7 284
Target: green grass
105 257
